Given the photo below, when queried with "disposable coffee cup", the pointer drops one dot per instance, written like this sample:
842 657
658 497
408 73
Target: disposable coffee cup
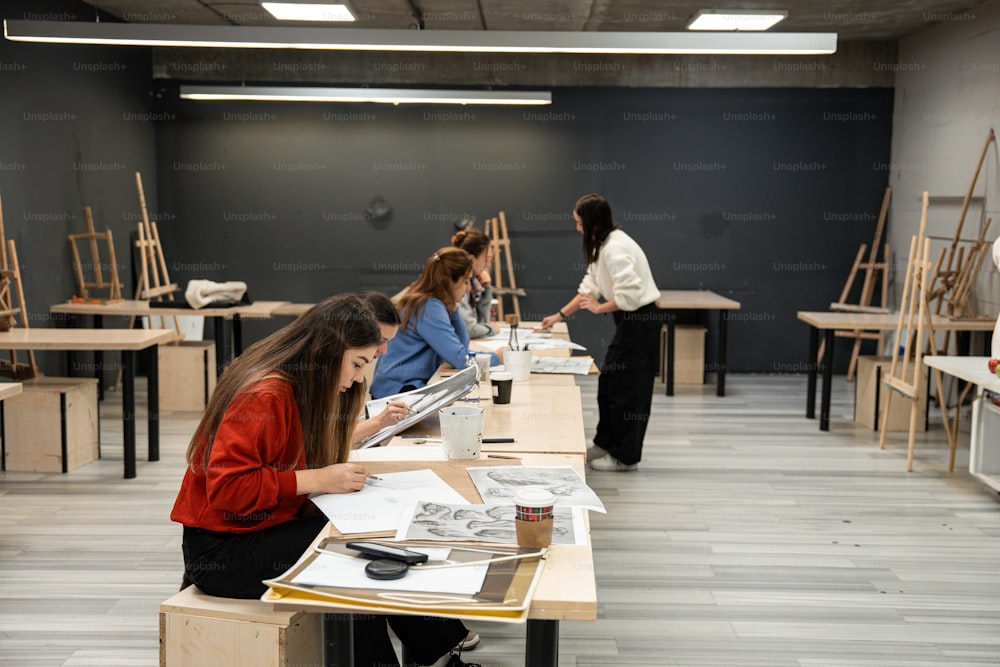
502 382
518 363
462 432
533 517
483 360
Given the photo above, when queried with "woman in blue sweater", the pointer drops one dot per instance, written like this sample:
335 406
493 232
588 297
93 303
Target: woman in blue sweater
432 331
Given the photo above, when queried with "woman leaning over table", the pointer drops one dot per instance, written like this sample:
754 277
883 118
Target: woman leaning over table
618 272
475 306
432 331
279 427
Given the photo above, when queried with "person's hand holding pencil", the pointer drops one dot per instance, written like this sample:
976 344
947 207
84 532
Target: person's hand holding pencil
395 412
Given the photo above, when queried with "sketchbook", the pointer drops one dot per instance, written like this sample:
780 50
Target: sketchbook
423 402
511 576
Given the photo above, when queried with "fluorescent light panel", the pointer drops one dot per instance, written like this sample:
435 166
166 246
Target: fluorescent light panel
736 19
304 11
378 95
473 41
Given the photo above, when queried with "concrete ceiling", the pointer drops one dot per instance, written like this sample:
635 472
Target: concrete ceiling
851 19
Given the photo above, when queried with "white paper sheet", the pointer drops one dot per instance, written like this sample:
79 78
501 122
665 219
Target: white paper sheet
423 401
498 484
570 365
377 508
482 523
349 572
527 340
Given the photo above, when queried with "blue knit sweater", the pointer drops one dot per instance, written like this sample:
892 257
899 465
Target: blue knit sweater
430 338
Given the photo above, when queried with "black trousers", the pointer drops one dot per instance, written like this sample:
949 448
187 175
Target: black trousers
232 565
625 386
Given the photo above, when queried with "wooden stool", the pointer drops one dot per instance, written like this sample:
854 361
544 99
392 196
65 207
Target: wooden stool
199 630
52 426
187 375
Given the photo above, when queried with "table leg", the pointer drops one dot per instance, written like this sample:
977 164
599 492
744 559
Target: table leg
153 401
237 335
720 383
671 337
812 367
824 405
99 360
338 640
542 644
218 328
128 411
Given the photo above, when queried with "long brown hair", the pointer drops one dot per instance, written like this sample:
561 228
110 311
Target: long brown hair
595 214
471 241
308 353
442 270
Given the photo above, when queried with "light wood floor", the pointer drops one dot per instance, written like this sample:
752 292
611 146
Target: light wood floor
747 537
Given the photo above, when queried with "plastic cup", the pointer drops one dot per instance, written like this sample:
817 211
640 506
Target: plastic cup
502 382
533 517
462 432
518 363
483 361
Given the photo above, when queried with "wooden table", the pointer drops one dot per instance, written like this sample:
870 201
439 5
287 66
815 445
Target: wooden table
830 322
131 308
126 341
696 300
984 446
542 419
8 389
567 589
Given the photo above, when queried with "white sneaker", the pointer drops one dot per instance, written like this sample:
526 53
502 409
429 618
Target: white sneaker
470 642
594 452
611 464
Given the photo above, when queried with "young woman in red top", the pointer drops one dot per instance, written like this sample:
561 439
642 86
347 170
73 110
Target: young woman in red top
279 426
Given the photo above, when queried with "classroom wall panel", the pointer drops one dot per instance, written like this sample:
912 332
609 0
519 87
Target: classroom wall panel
764 195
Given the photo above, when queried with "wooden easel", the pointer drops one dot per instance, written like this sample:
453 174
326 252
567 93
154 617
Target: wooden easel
951 287
496 229
915 324
864 305
113 285
11 286
154 280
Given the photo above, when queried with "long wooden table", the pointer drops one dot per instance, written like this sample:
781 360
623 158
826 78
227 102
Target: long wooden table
541 419
132 308
984 446
696 300
831 322
566 591
126 341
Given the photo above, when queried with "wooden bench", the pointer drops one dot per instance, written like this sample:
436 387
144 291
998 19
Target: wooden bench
201 630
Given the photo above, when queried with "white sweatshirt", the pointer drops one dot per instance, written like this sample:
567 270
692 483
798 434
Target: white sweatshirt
621 273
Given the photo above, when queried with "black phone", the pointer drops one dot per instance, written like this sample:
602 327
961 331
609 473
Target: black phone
374 550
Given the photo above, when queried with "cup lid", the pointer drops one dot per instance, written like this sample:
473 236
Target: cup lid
534 498
462 411
501 375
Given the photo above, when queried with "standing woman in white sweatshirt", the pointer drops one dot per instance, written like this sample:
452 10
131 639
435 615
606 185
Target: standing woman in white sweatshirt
618 273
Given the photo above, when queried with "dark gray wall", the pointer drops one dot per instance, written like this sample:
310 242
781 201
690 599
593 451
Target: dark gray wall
76 125
762 194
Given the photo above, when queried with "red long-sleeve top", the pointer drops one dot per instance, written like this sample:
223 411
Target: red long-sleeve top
249 483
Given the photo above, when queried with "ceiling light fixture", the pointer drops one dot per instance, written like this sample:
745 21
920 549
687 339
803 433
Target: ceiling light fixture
307 11
377 95
472 41
736 19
